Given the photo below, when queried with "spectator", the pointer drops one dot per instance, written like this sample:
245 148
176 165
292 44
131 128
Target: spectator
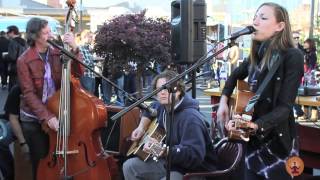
296 38
88 79
4 43
310 56
16 47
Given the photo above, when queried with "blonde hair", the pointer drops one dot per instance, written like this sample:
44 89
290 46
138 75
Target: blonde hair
281 41
83 35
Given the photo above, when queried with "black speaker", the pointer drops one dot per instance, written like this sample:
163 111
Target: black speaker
199 29
181 31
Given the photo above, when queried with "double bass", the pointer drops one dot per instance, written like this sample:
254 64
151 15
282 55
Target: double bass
75 151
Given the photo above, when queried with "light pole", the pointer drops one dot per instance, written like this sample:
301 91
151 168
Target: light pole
311 20
81 8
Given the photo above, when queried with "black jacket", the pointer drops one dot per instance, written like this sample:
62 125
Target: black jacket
16 47
4 43
273 113
311 59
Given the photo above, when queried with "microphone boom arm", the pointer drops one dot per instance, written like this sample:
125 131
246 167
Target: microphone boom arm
167 85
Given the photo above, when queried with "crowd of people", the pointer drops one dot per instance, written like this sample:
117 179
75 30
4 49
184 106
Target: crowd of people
34 71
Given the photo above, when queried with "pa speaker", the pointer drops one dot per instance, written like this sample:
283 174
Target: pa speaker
181 31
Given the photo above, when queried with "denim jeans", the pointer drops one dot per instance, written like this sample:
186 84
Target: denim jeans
107 91
6 158
119 82
88 83
136 169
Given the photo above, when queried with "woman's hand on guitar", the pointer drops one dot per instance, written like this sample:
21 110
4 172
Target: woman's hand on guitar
137 134
231 125
238 123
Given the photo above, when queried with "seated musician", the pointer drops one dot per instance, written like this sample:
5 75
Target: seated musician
273 122
192 148
39 72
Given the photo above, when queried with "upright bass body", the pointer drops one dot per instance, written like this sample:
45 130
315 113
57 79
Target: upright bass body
84 157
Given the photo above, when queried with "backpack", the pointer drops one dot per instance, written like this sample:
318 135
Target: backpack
19 47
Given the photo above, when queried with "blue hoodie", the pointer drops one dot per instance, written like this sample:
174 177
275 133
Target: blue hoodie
192 149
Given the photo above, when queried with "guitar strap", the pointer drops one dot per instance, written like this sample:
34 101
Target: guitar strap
277 59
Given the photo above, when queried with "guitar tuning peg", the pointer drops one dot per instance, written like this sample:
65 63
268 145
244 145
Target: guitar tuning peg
164 145
155 159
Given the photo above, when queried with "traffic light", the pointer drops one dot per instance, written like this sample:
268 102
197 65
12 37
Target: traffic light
188 30
181 31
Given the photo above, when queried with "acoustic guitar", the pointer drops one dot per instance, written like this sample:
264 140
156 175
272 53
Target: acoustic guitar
153 131
243 130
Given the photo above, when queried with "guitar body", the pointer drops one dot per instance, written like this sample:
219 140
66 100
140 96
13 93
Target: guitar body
154 131
243 96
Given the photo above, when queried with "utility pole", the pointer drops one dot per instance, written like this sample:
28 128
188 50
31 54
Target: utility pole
311 20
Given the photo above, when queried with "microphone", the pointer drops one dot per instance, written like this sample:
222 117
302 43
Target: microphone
244 31
153 112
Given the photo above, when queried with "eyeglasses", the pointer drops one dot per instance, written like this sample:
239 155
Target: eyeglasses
296 38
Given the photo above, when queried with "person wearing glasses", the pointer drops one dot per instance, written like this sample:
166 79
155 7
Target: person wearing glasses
296 40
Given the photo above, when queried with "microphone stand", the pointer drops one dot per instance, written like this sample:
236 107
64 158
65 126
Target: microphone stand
70 55
170 118
168 86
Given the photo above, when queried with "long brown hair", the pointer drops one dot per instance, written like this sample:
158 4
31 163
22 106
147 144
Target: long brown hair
169 74
280 41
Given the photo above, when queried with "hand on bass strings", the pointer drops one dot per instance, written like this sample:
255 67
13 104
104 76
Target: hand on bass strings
52 123
69 39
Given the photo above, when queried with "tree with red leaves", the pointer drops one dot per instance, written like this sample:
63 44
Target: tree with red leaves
134 38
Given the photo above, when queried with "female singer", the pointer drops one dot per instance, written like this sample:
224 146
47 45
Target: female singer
273 119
